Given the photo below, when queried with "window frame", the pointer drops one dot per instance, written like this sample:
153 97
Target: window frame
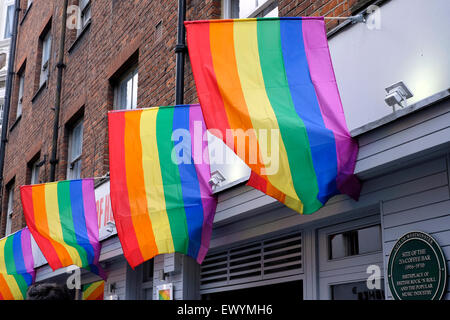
34 177
228 9
6 5
2 107
70 175
19 107
9 210
354 246
46 42
131 74
85 11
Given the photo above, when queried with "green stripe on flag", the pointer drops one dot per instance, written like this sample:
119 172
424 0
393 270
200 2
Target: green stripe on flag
292 128
65 215
171 180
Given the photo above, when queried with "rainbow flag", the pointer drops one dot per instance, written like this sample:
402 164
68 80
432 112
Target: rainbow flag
159 172
93 291
273 77
16 266
63 220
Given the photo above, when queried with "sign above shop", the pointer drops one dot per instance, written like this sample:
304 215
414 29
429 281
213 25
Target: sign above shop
417 268
106 224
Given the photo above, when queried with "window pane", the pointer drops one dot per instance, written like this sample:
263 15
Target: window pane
129 93
355 242
83 4
338 246
77 142
9 211
35 174
135 91
246 8
271 12
20 97
369 239
76 171
75 151
126 92
46 48
9 22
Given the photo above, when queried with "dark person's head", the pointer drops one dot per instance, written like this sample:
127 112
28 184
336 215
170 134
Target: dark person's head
48 291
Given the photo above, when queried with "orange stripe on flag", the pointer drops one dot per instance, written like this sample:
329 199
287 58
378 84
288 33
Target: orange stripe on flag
5 290
136 185
222 52
41 221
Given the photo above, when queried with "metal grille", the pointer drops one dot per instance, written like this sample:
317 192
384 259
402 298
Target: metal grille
267 259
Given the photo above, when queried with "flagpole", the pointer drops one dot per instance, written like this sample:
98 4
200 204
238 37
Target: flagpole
180 50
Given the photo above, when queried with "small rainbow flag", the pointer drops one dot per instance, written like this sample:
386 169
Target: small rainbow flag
161 199
93 291
16 266
63 220
268 75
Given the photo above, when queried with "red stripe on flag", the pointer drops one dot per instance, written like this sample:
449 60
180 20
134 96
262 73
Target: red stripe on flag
205 78
119 191
46 246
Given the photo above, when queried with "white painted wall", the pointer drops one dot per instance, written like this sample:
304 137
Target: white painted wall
412 45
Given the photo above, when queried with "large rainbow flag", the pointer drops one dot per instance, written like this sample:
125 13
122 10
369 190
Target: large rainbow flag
268 75
16 266
159 171
63 220
93 291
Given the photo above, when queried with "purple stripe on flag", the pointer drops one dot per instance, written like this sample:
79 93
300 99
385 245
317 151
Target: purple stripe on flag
27 251
324 81
91 216
200 155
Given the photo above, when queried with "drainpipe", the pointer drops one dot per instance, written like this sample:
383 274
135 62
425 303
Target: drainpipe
180 50
9 82
60 66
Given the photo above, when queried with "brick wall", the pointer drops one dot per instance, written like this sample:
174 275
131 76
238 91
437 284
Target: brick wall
144 31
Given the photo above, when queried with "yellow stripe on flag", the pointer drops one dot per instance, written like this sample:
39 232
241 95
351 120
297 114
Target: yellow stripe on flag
9 279
54 221
153 182
259 107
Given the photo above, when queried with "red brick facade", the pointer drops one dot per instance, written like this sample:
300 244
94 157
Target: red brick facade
140 31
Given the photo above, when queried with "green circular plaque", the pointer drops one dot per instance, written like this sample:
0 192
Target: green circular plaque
417 269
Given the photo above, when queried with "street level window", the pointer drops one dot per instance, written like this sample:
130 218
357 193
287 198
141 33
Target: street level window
85 15
354 242
46 48
9 18
125 93
240 9
10 210
75 151
20 96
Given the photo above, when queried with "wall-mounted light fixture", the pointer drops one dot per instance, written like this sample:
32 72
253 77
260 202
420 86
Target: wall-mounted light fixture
397 94
110 226
216 179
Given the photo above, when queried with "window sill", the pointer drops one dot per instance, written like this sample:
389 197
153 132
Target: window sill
15 123
26 13
78 39
41 88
